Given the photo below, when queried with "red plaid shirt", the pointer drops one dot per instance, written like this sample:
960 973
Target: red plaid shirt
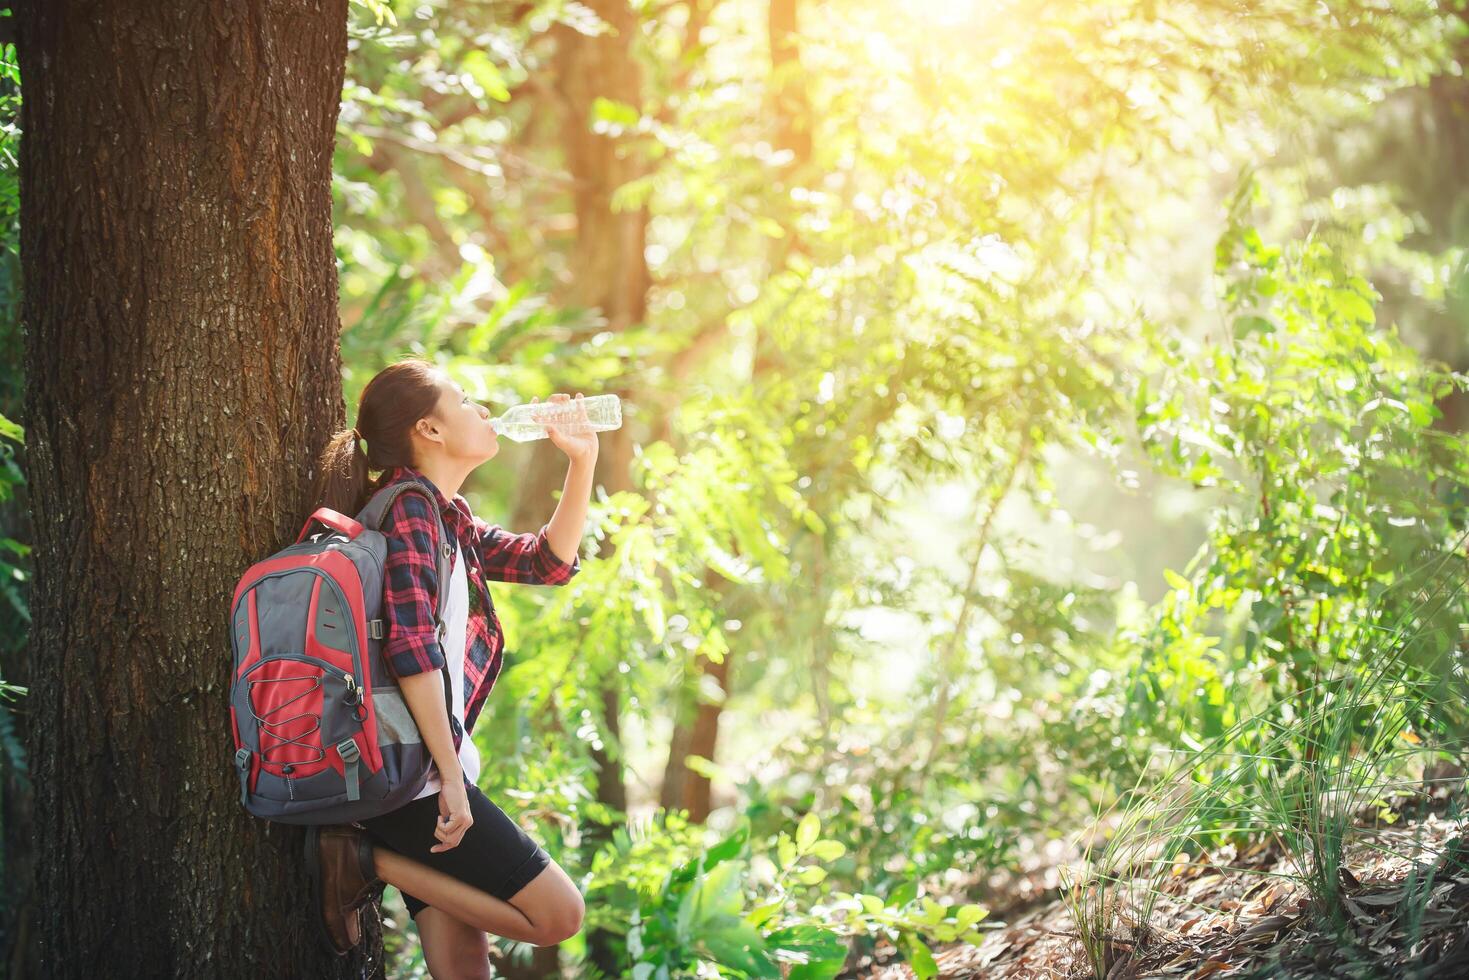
411 585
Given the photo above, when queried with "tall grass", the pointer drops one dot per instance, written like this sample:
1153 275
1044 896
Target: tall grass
1355 735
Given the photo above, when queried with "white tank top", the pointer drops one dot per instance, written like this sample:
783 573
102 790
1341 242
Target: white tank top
456 629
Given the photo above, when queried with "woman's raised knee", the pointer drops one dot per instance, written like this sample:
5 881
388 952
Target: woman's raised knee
561 924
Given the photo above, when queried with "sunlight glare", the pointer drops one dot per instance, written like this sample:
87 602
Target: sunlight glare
943 13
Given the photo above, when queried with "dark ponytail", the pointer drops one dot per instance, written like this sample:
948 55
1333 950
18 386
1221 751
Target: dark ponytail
391 403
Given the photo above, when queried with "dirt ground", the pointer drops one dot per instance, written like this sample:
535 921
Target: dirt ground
1404 912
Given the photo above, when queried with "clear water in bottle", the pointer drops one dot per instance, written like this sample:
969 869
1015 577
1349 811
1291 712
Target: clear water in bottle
525 422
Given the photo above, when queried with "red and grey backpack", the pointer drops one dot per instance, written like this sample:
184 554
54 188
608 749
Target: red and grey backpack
322 732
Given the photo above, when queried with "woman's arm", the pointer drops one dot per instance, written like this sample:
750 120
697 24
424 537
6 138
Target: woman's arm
414 655
565 530
548 556
424 693
526 558
412 652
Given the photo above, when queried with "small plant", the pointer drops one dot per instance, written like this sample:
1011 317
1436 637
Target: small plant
698 915
718 910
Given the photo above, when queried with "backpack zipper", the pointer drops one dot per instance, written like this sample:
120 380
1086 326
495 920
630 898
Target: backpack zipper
351 634
328 667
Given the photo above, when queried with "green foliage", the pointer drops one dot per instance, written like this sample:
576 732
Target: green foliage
15 575
1319 427
14 594
956 284
766 912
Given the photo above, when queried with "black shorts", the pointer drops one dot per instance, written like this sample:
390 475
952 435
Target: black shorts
495 855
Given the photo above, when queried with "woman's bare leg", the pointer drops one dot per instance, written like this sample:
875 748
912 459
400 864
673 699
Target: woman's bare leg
462 900
453 950
548 910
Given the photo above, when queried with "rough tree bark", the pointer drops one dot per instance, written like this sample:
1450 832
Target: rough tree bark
182 375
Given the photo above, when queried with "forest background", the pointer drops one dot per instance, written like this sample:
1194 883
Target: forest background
1019 398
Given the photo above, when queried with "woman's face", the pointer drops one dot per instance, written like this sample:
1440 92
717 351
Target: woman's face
464 425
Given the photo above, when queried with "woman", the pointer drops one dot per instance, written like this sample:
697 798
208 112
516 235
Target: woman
464 867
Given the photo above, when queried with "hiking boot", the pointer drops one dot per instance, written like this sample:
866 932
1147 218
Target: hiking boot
339 862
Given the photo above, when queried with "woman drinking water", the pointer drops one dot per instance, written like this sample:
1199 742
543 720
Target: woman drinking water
465 869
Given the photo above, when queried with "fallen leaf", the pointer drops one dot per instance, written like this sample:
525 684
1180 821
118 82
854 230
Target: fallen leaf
1381 900
1356 910
1267 898
1266 927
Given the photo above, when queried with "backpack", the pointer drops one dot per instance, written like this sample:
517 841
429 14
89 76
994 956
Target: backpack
322 733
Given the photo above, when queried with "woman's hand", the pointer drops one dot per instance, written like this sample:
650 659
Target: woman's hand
454 816
580 447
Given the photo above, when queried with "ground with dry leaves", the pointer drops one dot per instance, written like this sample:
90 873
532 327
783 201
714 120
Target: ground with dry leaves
1404 913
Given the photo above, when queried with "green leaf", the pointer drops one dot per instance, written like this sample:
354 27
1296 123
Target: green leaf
487 74
811 874
633 194
763 913
653 617
741 947
1176 580
381 9
807 938
813 521
730 845
688 910
919 957
705 768
825 951
1246 325
770 227
817 969
785 851
969 915
726 564
828 850
614 112
807 831
1423 414
903 894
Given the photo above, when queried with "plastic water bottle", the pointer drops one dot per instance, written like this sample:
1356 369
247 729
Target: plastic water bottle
524 422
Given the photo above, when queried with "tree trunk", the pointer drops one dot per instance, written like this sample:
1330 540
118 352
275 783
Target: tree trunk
695 729
696 722
697 734
182 376
608 273
791 108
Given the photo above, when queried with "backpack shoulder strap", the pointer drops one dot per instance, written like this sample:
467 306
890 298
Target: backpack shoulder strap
377 508
372 516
